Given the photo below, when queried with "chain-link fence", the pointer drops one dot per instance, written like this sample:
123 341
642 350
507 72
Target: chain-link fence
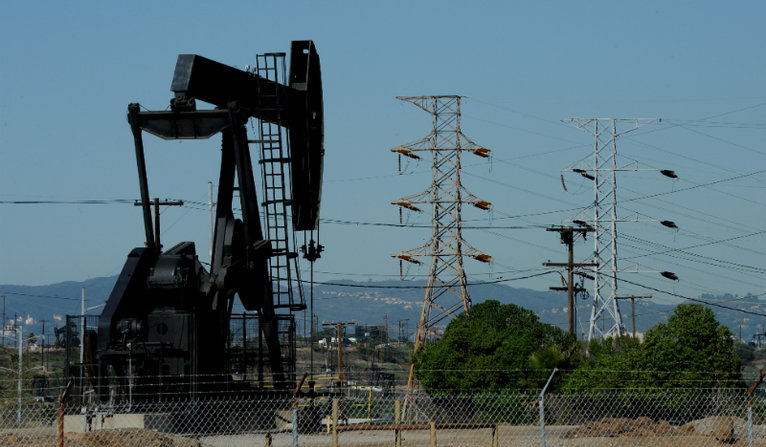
357 415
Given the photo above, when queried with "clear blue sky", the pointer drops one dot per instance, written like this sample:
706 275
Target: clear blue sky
69 71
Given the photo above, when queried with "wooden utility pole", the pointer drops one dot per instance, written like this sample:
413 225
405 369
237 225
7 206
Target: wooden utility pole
42 352
3 327
567 238
405 329
387 339
339 329
632 299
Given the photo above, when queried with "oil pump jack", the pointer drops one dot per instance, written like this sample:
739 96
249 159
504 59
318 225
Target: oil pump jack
166 324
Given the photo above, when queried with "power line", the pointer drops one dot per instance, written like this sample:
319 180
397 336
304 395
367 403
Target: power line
68 202
745 199
479 283
722 124
707 275
202 206
696 215
396 225
664 152
715 182
667 249
696 300
32 295
722 140
519 188
396 275
718 115
540 213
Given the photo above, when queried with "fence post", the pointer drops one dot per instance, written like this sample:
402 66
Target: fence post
369 405
433 433
295 409
335 410
62 405
397 420
295 427
750 408
541 402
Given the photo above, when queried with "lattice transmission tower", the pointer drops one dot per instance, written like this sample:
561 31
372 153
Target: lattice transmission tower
602 169
446 293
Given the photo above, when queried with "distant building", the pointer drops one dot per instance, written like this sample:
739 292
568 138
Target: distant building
378 332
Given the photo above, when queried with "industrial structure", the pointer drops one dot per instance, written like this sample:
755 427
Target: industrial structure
602 169
168 327
447 290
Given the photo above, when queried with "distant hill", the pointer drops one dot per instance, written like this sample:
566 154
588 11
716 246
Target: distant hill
53 301
369 302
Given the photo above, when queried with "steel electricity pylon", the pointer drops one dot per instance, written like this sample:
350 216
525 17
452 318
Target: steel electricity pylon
602 169
447 292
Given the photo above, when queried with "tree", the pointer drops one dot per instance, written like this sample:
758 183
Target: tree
610 364
691 349
493 347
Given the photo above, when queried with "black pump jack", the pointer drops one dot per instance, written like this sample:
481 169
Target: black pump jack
166 323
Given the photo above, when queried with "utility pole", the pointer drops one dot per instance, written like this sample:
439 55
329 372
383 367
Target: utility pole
4 323
632 299
18 414
388 339
20 371
400 328
82 326
339 331
567 235
42 352
81 371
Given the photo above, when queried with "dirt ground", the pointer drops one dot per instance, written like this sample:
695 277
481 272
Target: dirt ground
607 432
48 437
642 431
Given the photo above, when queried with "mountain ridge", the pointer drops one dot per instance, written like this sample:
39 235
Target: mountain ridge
370 303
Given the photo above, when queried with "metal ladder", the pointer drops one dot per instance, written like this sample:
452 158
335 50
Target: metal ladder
286 333
276 198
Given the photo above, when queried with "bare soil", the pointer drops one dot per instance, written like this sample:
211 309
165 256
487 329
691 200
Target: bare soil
104 438
617 432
